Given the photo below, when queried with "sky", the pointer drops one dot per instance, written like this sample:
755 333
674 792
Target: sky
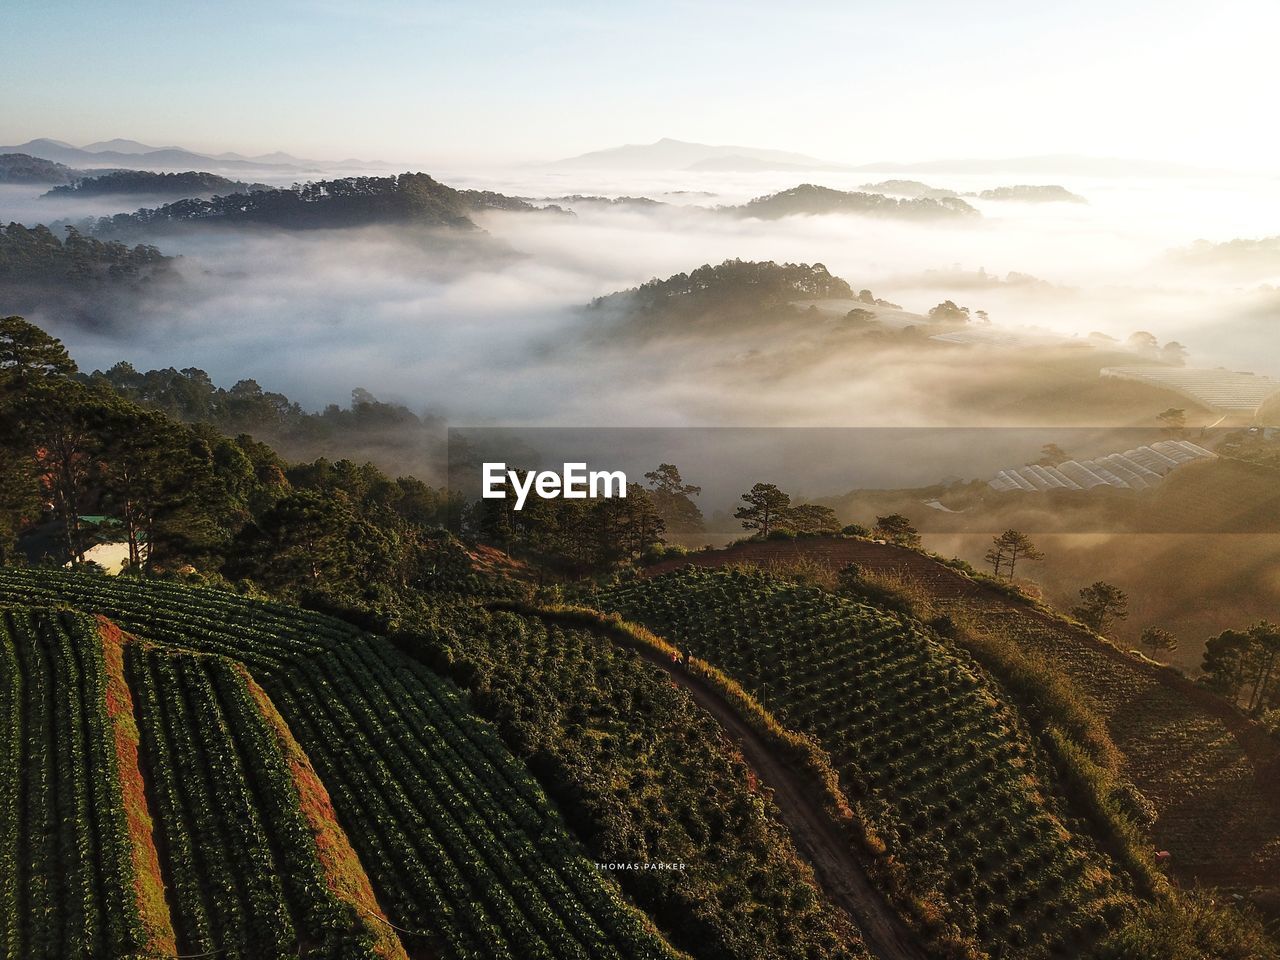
507 82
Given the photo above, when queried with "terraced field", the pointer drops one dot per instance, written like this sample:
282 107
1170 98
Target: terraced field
963 797
250 884
1213 777
466 856
645 776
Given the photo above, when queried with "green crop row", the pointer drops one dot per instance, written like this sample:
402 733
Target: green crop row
66 874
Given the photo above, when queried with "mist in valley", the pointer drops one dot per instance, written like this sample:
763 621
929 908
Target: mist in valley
489 329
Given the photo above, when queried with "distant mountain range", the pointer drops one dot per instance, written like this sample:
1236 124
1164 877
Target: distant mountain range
664 154
133 155
668 154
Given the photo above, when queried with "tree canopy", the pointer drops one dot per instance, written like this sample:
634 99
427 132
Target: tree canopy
673 499
151 184
762 508
26 351
896 529
1244 666
34 256
1101 605
1008 548
180 494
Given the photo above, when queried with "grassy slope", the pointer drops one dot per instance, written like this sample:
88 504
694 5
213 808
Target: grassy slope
1197 555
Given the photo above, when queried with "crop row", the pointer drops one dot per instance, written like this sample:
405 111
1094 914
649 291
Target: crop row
66 873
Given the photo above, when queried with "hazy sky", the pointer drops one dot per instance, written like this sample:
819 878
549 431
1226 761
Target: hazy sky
503 81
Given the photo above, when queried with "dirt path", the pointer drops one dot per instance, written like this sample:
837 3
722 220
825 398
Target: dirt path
840 872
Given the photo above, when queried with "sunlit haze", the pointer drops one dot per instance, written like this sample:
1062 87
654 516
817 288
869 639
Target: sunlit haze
682 480
495 83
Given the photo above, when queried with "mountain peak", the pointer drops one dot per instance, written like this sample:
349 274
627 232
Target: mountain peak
669 153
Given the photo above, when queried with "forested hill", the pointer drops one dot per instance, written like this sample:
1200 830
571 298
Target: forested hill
810 199
390 435
35 257
908 188
1033 193
735 289
145 183
408 199
22 168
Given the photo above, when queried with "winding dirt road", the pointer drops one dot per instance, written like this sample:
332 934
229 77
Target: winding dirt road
841 873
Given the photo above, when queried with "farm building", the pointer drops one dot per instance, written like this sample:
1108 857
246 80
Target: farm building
108 547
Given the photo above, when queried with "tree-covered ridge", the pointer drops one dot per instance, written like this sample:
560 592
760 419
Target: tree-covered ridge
731 288
390 434
641 203
23 168
178 495
1033 193
148 183
810 199
35 256
410 198
407 199
492 200
908 188
1262 253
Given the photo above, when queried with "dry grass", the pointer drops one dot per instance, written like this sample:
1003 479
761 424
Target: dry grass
148 883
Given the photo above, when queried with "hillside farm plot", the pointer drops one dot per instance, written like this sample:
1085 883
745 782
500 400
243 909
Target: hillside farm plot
467 856
946 773
1213 777
1226 391
645 776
